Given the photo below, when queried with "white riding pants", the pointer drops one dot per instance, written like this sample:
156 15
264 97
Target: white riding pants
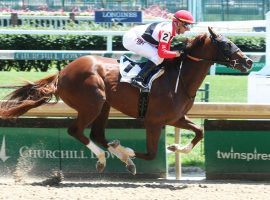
133 42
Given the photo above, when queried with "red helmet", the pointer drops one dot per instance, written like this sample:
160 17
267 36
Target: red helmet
184 15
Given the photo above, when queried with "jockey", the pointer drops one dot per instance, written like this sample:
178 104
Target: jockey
153 41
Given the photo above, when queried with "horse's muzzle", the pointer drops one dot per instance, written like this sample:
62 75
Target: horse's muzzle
246 64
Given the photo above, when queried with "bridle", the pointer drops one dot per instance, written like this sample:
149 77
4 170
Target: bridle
226 48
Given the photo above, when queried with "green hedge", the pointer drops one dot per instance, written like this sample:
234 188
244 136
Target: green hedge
72 42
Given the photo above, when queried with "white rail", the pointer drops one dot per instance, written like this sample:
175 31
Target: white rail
54 54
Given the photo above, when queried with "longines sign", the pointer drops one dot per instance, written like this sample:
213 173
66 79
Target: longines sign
118 16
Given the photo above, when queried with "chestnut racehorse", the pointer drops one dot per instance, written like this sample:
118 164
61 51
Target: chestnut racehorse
90 85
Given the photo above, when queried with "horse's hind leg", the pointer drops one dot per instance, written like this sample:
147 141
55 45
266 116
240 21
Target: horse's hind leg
98 135
98 126
76 130
124 154
187 124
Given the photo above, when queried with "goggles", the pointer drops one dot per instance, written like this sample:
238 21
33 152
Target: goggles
185 24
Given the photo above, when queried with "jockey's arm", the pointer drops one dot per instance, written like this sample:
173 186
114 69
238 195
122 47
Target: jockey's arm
164 46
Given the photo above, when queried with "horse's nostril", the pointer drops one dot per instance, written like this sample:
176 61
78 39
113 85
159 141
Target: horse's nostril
249 62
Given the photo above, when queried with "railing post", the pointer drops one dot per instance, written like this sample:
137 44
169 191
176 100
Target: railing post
109 43
177 140
206 92
14 19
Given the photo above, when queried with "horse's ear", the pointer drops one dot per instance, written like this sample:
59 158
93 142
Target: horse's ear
213 34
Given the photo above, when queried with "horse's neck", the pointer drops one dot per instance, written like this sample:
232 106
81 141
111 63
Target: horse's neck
193 75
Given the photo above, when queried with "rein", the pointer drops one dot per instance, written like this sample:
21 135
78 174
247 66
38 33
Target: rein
183 84
209 60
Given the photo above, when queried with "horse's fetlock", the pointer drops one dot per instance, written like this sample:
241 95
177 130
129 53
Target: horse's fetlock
151 156
199 133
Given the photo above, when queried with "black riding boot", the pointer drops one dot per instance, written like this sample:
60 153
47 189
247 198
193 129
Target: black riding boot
138 81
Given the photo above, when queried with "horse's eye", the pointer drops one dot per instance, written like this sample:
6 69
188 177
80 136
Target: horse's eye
228 46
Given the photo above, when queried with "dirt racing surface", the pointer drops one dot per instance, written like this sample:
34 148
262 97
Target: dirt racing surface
133 189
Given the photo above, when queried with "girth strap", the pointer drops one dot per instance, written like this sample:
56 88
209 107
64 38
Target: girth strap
143 104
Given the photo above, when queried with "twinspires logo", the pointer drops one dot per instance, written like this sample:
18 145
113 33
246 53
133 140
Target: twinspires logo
250 156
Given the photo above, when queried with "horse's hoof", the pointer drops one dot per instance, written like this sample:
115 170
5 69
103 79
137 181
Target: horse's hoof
114 143
130 166
100 166
131 169
173 147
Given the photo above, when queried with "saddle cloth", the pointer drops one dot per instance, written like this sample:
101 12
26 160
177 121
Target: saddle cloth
128 72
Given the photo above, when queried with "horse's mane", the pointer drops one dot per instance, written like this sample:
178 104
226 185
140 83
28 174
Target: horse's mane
196 42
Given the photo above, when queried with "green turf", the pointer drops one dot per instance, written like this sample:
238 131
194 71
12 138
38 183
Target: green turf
13 78
227 88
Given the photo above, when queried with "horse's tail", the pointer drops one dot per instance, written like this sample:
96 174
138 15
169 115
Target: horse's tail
28 96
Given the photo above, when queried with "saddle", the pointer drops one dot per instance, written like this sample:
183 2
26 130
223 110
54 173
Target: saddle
129 68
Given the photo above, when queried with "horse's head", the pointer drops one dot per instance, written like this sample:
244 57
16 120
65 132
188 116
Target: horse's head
229 54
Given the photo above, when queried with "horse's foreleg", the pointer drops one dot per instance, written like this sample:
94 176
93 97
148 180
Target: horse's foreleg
98 135
152 137
187 124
